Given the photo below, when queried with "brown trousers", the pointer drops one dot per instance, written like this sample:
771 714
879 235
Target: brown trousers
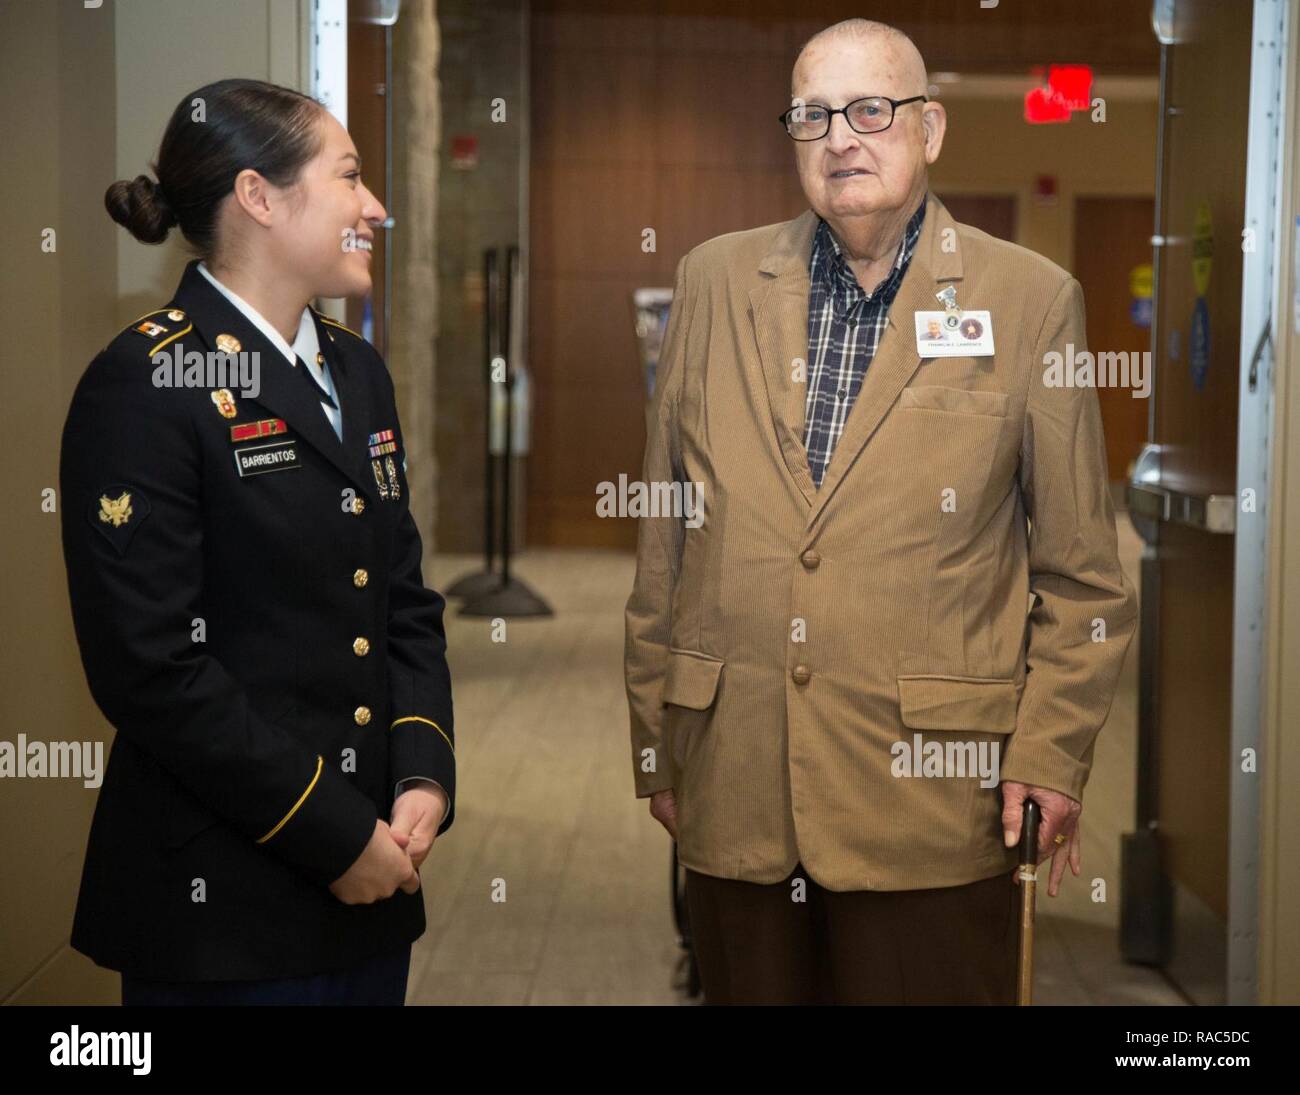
756 945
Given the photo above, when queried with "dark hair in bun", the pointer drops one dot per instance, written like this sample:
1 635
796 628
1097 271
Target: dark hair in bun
140 207
215 133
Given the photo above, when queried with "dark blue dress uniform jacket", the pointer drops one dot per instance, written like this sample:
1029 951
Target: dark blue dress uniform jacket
264 645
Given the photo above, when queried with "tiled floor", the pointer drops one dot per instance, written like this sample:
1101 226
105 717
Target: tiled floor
553 885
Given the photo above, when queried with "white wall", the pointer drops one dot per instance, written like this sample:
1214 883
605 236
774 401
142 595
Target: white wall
165 49
85 94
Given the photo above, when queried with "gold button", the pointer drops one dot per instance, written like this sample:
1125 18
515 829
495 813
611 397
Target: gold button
810 559
360 578
360 646
361 716
320 359
801 674
176 315
358 505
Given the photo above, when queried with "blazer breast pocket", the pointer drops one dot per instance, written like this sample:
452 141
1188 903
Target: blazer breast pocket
956 400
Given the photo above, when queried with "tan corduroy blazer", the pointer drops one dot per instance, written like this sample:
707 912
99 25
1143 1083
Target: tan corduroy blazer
780 654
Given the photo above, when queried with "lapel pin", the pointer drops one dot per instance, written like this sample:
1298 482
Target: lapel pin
952 314
228 344
225 402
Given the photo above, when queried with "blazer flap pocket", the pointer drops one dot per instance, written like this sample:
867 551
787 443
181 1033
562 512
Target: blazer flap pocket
936 702
692 679
938 398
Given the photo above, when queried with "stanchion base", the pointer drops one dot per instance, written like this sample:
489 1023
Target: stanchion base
513 600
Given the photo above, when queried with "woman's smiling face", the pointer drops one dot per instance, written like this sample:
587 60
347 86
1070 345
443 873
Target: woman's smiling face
325 238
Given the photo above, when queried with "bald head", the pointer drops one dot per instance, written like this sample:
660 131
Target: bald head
864 180
891 52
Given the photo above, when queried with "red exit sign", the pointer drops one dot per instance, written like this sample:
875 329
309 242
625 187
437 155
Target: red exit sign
1069 88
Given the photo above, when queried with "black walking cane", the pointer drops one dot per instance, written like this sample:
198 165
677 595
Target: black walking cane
1028 874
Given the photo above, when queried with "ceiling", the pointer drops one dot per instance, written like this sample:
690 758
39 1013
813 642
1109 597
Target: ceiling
1114 36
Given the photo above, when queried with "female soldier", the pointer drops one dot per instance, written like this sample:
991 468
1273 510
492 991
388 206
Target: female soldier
262 641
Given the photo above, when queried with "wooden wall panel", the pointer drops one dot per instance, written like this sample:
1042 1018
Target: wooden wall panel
1112 235
662 114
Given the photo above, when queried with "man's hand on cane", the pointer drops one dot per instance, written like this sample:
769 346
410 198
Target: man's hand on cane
1058 835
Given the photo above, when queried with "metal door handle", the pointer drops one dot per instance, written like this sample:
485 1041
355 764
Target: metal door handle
1148 497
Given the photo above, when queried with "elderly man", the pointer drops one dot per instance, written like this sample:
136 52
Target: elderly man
830 674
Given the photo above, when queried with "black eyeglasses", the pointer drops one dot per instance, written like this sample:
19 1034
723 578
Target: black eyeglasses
812 121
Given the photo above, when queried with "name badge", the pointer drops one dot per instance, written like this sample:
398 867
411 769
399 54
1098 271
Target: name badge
257 459
971 336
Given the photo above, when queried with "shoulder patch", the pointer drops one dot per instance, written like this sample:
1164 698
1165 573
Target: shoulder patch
117 511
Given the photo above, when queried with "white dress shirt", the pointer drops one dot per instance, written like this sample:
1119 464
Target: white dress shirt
306 346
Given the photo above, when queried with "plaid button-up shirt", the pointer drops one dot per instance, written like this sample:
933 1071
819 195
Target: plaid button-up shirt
844 328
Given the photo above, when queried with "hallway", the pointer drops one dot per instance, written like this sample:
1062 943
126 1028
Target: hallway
545 803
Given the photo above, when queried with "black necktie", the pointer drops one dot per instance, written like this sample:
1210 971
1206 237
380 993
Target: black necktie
315 385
